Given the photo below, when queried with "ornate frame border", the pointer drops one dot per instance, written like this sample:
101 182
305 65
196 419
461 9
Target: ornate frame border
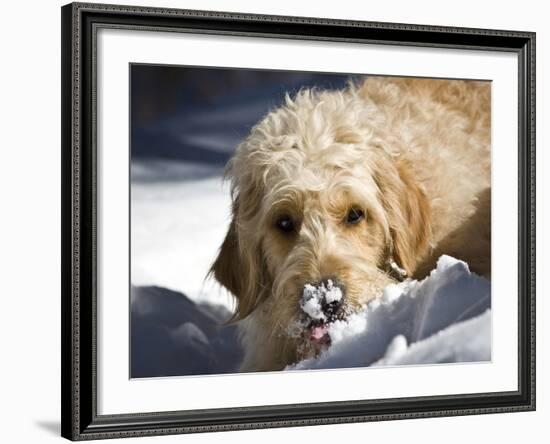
80 22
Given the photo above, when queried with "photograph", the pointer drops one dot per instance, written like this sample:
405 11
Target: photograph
274 221
298 221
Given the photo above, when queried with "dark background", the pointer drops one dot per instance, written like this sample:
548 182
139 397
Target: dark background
199 115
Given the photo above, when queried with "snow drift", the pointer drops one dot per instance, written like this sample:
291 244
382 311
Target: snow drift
171 335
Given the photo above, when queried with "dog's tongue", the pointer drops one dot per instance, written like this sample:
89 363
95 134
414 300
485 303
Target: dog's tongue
319 335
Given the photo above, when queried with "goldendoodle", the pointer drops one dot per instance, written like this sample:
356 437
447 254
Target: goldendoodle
336 194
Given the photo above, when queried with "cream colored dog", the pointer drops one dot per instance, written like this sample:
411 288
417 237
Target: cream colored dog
338 193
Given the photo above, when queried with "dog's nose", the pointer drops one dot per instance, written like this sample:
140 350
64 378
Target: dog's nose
333 296
323 299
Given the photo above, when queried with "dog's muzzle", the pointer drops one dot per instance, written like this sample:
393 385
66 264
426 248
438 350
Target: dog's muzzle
322 304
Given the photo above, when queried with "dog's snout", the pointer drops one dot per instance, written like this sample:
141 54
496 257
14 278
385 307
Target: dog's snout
334 296
323 300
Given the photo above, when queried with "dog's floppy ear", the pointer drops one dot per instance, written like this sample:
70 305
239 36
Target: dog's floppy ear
408 213
226 266
239 268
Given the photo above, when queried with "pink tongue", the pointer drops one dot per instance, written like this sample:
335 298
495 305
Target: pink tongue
318 333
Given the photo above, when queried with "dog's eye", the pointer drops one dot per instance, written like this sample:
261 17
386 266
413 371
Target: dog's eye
355 215
285 224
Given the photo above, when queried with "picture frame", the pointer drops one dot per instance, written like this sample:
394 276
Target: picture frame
81 216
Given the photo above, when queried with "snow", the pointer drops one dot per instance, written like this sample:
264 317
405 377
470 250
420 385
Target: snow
177 227
171 335
314 297
443 318
332 293
392 292
310 303
468 341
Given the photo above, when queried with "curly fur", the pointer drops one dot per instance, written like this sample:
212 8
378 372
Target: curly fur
412 154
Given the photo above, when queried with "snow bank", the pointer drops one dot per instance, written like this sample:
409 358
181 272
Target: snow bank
443 318
171 335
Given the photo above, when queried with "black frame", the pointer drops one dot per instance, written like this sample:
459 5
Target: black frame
79 418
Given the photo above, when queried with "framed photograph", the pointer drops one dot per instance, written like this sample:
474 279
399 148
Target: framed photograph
278 221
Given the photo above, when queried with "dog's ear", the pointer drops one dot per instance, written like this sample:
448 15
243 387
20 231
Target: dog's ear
408 213
239 268
226 266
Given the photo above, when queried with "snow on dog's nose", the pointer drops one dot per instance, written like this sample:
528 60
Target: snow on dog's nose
321 303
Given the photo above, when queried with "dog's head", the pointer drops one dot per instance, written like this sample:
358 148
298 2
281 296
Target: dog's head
320 208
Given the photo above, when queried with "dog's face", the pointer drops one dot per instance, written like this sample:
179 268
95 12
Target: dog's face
319 209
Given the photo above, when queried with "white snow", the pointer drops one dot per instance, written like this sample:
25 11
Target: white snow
332 293
315 296
443 318
392 292
311 304
177 228
396 349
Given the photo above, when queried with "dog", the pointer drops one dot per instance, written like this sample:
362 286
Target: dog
338 193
